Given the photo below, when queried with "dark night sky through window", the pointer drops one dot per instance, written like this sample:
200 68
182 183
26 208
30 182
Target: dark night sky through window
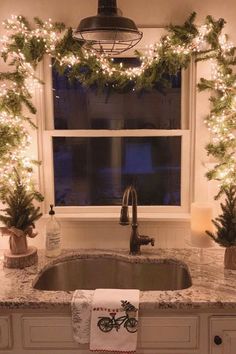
96 170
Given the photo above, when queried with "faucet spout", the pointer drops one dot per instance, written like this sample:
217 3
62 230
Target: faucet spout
136 240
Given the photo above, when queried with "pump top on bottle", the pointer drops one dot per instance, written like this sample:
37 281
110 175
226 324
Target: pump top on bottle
53 235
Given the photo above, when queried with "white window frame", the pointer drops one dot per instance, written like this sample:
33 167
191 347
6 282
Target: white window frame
187 150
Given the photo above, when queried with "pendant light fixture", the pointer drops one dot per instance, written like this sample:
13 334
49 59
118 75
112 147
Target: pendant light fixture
108 32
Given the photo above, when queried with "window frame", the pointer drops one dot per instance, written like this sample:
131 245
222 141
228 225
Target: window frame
187 150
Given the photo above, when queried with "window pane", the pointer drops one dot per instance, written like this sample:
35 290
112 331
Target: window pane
95 171
76 107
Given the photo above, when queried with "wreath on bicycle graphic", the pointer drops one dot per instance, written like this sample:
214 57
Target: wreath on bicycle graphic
129 321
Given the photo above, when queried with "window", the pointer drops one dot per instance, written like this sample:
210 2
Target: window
96 144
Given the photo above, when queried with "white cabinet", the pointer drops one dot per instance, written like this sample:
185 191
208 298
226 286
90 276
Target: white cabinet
169 332
159 333
47 332
5 332
223 335
42 332
163 332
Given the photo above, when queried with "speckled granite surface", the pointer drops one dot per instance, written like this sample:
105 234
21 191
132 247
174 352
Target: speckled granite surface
213 287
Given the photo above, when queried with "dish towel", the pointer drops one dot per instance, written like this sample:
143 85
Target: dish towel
107 318
114 320
81 308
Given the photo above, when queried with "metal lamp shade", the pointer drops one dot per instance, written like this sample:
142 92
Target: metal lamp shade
108 32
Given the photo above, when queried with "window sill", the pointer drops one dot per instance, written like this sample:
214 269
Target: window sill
114 217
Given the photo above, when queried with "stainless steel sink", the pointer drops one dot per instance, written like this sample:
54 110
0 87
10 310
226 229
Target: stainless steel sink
93 272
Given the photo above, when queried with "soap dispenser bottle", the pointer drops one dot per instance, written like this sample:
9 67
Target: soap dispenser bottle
53 235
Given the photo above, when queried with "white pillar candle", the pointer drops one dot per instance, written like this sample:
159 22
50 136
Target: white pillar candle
201 216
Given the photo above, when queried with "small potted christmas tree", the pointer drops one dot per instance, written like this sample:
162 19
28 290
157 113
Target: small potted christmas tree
225 224
19 219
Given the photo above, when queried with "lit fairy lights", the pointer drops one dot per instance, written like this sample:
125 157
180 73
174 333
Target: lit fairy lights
69 60
15 138
222 121
199 42
226 45
46 36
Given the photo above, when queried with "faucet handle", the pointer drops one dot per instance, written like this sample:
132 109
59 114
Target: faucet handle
152 241
124 215
145 240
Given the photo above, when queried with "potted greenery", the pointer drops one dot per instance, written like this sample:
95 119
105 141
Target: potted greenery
19 219
225 224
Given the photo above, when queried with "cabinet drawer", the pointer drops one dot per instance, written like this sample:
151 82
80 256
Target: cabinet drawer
169 332
5 332
223 327
47 332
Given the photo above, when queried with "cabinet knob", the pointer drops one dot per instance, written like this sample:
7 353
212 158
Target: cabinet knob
217 340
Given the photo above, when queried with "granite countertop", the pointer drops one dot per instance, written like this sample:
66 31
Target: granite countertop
212 286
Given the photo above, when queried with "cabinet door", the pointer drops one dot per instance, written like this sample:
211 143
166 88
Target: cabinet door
5 337
168 332
52 332
223 335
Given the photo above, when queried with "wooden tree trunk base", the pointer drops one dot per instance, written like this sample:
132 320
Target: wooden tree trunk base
230 258
20 260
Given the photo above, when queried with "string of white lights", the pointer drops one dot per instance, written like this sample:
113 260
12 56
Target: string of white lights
220 125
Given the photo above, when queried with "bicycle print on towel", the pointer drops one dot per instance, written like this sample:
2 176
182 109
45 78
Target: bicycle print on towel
129 321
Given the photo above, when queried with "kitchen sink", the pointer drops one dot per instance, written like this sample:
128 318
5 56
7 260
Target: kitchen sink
98 272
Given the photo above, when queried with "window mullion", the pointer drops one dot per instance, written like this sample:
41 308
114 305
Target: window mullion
116 133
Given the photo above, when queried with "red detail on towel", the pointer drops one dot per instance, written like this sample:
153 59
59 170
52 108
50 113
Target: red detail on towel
113 351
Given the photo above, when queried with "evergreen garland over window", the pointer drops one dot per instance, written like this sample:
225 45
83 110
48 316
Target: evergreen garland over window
24 46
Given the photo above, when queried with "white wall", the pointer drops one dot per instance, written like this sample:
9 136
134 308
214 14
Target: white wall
149 13
145 13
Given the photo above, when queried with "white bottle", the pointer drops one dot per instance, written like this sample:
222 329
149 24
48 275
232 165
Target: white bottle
53 235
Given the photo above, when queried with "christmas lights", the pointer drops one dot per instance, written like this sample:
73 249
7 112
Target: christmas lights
24 46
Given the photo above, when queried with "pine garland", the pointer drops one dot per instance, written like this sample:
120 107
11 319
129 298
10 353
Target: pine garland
25 45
